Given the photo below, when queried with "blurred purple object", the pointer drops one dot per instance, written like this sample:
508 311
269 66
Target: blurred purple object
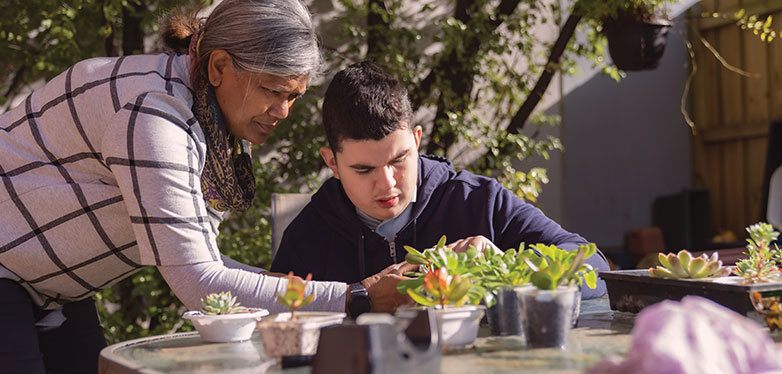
695 336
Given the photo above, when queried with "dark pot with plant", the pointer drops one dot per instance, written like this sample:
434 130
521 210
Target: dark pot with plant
549 307
502 274
637 38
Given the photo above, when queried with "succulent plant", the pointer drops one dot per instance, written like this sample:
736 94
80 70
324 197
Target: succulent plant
552 266
762 264
441 288
221 303
294 296
684 265
461 264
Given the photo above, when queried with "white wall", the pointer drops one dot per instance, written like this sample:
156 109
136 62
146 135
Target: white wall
625 144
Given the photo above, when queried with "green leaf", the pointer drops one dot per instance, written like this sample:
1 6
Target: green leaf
421 299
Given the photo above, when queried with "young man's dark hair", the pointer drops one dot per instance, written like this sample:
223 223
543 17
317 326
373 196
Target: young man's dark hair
363 102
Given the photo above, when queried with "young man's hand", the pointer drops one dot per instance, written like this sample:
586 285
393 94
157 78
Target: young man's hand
480 242
382 288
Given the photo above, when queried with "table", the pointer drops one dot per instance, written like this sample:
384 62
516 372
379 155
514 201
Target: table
600 332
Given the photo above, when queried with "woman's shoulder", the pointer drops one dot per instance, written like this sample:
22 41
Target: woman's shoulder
127 77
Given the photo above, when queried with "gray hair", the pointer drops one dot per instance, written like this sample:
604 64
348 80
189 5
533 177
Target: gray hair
263 36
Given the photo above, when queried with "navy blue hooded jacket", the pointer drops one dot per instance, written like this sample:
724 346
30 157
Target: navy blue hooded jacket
328 240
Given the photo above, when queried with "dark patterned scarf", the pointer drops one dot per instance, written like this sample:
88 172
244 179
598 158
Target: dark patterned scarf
227 180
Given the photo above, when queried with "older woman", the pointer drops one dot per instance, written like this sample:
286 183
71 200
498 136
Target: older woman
119 163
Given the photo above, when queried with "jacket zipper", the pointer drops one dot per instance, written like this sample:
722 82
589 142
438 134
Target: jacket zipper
392 250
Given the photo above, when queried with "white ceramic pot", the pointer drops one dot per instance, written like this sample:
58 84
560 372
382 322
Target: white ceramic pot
457 326
282 337
223 328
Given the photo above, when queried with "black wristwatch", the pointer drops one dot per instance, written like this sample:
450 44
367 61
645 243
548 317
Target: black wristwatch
359 300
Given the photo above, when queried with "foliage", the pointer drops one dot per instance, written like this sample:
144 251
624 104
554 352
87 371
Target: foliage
294 296
762 264
684 265
552 266
546 266
221 303
503 269
39 39
457 265
441 289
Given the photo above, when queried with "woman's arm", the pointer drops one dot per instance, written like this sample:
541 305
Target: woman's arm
192 282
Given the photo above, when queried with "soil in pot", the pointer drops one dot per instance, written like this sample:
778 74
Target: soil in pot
505 317
547 316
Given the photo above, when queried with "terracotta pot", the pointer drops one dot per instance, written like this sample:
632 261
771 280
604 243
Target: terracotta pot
282 337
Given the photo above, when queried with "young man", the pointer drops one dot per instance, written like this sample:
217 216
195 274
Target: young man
384 195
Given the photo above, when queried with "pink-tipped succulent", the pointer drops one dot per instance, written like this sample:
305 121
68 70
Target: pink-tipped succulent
294 297
684 265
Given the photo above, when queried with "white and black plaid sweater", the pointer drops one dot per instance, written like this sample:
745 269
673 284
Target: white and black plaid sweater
100 176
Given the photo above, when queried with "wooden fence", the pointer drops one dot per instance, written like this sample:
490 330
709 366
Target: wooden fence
732 113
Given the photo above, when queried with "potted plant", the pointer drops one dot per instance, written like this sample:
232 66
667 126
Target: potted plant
502 274
549 307
685 265
636 30
223 319
295 333
763 262
446 287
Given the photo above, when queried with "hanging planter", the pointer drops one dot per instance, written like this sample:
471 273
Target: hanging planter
636 44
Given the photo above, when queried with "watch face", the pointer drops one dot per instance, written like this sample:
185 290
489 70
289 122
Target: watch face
358 305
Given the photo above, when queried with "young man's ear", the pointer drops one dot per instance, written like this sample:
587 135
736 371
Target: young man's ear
417 131
330 159
219 61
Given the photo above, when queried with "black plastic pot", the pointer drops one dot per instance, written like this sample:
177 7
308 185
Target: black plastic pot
547 316
636 44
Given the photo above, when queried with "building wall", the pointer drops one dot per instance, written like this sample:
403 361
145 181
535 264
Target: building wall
626 143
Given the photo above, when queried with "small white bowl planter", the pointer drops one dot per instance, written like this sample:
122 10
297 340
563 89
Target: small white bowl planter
223 328
458 326
282 337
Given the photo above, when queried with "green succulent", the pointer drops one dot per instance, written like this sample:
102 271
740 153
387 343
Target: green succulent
458 265
295 295
552 266
762 262
684 265
221 303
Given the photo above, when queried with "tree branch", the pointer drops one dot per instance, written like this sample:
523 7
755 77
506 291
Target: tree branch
15 82
504 9
522 115
377 28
